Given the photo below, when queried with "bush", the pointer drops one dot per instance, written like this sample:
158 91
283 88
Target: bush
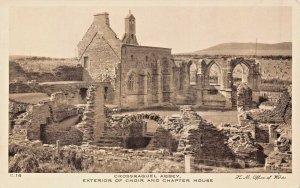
15 148
42 154
53 168
23 163
70 158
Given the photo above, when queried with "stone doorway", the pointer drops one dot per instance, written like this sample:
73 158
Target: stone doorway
240 75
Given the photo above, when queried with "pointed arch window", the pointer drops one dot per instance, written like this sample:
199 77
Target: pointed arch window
193 74
131 80
149 83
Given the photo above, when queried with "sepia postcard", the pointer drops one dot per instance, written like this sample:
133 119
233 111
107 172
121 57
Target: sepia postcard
150 93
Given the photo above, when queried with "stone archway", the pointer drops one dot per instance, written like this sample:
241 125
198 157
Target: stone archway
214 66
252 79
193 73
126 120
240 75
130 130
221 94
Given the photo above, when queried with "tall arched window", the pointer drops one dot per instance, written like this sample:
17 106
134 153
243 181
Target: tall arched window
240 74
214 75
130 84
193 74
149 83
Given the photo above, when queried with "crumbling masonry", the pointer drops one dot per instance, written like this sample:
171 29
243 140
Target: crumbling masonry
144 76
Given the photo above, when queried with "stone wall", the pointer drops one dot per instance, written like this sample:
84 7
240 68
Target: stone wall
163 139
131 136
213 100
53 119
208 143
130 131
244 97
146 76
67 135
100 118
282 113
102 61
279 161
204 141
92 125
40 116
15 108
262 133
99 50
274 139
245 149
60 114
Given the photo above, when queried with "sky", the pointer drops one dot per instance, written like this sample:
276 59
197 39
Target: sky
56 31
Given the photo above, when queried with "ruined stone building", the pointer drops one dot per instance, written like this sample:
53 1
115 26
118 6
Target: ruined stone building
195 85
138 76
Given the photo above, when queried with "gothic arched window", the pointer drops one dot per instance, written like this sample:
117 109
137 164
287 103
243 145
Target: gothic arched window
149 83
130 84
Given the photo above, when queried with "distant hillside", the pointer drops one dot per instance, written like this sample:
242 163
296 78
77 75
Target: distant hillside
44 69
41 64
284 48
35 58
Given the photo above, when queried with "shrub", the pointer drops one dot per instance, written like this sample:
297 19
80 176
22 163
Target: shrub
70 158
15 148
53 168
43 154
23 163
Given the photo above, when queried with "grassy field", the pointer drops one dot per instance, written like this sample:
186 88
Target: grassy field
39 159
276 69
42 64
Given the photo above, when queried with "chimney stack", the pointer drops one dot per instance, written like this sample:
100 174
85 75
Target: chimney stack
102 19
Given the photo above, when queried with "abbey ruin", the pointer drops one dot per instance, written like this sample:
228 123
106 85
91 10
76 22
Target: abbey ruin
101 111
143 76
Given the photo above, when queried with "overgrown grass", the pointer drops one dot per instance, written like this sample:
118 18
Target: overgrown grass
118 166
31 159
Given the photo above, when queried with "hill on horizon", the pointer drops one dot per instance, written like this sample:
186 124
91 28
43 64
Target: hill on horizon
238 48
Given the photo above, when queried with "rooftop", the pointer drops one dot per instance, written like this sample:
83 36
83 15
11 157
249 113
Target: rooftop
102 13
